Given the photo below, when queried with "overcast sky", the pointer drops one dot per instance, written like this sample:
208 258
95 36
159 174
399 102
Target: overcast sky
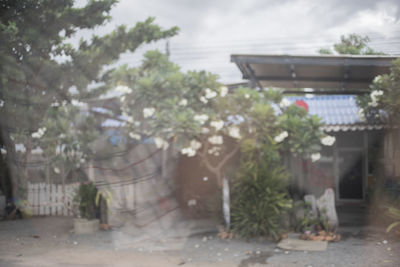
212 30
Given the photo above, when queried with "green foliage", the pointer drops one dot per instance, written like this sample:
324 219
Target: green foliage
387 99
86 197
303 130
353 44
259 197
394 213
40 67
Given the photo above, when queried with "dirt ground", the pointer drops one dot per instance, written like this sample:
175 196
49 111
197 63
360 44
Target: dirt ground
49 241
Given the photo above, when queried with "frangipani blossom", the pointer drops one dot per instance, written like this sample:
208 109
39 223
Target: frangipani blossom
375 96
203 99
279 138
210 94
161 143
234 132
284 103
183 102
214 150
328 140
123 89
148 112
216 140
40 132
188 151
201 118
134 136
217 124
195 145
315 157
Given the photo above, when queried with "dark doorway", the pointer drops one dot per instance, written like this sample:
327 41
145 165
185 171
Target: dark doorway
351 174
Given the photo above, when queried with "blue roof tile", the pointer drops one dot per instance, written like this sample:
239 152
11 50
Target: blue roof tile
332 109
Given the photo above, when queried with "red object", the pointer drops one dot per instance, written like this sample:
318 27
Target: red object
302 104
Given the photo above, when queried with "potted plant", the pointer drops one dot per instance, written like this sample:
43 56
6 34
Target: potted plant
86 221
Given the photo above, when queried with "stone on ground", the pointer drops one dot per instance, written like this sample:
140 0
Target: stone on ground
297 244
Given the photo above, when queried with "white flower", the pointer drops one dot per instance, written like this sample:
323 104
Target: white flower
123 89
188 151
234 132
205 178
161 143
82 160
3 151
203 99
279 138
183 102
328 140
56 170
247 96
55 104
375 95
148 112
1 103
223 91
61 136
284 103
134 136
195 145
217 124
40 132
377 79
214 150
210 94
201 118
77 103
122 98
315 157
216 140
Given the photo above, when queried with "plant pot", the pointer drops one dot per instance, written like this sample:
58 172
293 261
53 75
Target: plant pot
85 226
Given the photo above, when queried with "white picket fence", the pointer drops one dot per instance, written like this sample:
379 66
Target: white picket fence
51 199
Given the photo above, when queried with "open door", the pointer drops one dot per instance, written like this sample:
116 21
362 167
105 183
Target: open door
351 174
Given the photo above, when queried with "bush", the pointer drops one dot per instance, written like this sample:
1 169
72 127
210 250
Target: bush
259 196
86 199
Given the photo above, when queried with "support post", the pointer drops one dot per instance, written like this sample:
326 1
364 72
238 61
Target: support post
226 204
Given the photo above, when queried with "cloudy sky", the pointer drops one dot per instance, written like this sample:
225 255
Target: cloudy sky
212 30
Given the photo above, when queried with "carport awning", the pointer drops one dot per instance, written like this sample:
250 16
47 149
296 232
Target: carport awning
326 74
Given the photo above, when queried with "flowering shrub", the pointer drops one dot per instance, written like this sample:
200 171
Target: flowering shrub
383 102
197 114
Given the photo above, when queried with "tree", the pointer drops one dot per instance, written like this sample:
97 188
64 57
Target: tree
200 117
40 70
353 44
383 102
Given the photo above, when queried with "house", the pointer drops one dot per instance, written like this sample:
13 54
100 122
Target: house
348 165
334 81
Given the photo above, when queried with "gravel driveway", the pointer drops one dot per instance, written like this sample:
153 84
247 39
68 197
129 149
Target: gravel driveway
49 241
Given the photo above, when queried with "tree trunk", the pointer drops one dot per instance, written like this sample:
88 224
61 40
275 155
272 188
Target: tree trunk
12 163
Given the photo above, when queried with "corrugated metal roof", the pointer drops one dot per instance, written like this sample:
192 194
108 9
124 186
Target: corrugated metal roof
347 74
338 112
